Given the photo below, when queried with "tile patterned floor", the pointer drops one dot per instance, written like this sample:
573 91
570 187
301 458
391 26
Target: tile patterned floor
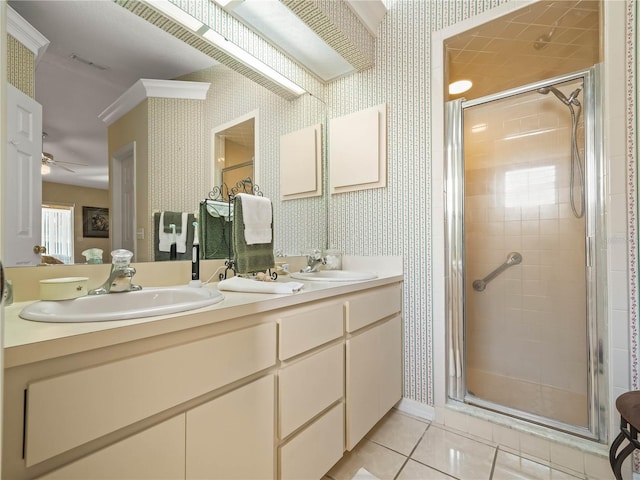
402 447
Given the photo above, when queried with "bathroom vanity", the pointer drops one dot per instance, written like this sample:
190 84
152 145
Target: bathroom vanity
257 386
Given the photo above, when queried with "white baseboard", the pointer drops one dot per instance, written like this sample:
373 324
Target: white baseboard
417 409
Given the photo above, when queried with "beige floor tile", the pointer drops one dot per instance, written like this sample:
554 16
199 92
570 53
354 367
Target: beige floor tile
455 454
398 432
513 467
380 461
416 471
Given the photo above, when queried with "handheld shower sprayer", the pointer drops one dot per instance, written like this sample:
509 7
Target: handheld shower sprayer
577 168
572 100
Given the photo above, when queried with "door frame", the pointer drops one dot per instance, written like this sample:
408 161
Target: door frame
116 219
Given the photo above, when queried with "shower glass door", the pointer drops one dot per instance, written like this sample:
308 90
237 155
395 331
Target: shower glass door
520 224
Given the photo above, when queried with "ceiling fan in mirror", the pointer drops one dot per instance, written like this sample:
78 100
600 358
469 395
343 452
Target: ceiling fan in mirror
48 161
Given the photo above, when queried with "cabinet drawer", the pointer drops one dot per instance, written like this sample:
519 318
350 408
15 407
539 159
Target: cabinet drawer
313 452
308 328
309 386
366 308
69 410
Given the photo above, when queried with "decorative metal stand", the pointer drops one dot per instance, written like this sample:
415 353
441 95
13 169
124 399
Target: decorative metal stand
223 193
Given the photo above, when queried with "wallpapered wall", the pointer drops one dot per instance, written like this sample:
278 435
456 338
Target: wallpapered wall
20 66
397 220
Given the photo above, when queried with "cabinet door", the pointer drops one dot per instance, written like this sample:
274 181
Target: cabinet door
154 454
361 385
373 377
390 367
233 436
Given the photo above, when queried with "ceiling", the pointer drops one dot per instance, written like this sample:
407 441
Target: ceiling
73 93
543 40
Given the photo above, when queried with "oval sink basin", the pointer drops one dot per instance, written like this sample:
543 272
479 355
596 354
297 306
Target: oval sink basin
334 276
121 306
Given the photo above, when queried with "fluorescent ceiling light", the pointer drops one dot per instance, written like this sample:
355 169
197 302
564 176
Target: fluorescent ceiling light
460 86
281 27
177 14
245 57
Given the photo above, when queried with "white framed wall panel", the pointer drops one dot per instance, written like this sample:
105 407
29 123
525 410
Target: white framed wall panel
301 163
358 150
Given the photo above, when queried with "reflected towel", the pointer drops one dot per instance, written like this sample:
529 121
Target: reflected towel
220 209
157 229
239 284
257 217
215 233
165 236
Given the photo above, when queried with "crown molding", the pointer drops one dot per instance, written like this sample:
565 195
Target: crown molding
150 88
26 34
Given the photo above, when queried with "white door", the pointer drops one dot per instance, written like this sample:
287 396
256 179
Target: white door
123 203
23 180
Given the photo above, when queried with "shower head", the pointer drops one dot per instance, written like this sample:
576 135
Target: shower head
543 40
572 100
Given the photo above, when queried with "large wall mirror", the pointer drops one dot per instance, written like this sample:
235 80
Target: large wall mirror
78 31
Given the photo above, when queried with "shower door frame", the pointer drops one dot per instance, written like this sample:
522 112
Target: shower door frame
595 252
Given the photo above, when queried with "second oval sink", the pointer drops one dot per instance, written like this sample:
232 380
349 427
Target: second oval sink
334 276
147 302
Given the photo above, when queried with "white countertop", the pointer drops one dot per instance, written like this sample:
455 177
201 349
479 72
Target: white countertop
27 341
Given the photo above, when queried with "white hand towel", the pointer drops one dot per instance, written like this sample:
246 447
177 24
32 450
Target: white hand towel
239 284
257 217
165 239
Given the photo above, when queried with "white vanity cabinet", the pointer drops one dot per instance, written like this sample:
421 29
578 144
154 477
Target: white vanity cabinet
373 359
268 393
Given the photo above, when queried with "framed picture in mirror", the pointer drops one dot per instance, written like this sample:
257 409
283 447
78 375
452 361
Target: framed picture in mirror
95 222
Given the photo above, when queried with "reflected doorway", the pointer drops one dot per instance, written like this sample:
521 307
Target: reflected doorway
123 199
235 152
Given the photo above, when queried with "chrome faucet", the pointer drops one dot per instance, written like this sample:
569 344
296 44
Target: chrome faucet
120 275
314 261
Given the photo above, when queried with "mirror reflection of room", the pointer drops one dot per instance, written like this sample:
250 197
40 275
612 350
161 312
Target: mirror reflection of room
78 140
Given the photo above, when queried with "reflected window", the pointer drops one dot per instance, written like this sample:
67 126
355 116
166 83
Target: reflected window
57 232
529 187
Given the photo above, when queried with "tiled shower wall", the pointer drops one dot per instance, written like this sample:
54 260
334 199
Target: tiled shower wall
526 333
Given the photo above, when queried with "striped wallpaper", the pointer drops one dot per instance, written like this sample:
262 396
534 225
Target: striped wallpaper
20 66
397 220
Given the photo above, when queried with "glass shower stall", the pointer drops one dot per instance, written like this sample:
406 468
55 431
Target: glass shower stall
524 230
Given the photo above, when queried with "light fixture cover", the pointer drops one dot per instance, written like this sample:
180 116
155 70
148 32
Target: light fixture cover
176 13
459 87
245 57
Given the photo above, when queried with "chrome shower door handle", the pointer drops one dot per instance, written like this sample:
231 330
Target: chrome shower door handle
514 258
